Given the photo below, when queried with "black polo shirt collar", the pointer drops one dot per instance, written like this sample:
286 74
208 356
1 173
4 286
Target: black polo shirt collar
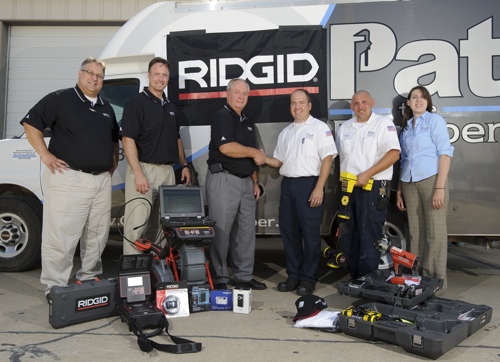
233 112
84 99
154 98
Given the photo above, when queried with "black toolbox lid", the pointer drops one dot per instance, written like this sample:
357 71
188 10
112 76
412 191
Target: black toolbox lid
376 287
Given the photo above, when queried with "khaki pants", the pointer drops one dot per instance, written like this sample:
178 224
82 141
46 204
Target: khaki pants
142 220
77 207
428 231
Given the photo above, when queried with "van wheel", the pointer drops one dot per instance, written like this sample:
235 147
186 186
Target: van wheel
20 233
395 230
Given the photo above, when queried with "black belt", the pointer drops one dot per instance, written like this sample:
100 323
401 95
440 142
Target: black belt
235 174
160 164
95 173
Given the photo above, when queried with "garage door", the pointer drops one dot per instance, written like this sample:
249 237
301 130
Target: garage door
43 59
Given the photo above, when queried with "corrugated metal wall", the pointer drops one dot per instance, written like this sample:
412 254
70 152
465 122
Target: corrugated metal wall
42 43
43 59
71 10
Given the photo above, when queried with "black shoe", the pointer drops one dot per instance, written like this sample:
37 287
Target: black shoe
220 286
251 284
288 285
306 287
48 297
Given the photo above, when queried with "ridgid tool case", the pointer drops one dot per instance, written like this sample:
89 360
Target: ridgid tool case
409 316
87 301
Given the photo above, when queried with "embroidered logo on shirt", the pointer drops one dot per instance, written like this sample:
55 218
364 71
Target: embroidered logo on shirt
328 133
106 115
370 134
172 113
223 138
391 128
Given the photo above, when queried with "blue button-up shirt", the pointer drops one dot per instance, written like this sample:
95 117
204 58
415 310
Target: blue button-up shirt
422 146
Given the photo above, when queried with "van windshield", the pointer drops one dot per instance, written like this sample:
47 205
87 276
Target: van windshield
118 92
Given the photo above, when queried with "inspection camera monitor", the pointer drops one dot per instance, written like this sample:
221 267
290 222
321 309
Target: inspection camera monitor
181 202
134 275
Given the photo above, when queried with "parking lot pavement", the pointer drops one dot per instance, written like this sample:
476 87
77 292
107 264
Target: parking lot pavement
266 334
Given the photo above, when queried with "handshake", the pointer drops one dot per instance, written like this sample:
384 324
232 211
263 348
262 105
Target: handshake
259 157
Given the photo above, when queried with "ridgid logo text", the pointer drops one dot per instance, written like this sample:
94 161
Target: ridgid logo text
93 302
261 69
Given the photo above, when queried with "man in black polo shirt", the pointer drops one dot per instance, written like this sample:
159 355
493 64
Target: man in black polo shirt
81 157
232 189
152 144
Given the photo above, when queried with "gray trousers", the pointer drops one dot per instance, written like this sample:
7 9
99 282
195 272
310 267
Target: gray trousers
231 203
428 231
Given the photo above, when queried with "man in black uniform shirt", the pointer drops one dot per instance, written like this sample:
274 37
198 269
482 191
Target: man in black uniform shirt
81 157
232 189
152 144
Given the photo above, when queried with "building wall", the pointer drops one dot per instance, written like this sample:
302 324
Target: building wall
47 16
71 10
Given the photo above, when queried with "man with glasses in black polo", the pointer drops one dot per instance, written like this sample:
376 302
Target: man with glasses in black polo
80 159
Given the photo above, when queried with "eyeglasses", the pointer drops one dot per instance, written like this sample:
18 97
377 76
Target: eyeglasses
92 74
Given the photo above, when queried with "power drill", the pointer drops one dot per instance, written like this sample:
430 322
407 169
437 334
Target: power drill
400 258
348 181
334 258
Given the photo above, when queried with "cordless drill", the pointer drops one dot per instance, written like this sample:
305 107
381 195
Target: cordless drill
348 181
334 258
400 259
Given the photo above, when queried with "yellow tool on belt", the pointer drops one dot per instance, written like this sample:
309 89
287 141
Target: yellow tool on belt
334 259
348 180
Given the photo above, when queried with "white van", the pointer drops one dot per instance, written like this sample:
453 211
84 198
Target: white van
332 50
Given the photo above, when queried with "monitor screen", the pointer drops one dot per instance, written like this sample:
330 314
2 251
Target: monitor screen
181 201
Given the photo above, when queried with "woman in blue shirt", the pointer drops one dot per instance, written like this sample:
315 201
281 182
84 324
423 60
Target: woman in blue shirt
425 161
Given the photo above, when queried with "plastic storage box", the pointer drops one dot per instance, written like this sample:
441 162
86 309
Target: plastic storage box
430 329
374 286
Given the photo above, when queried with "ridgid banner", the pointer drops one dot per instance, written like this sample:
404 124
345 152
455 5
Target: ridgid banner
274 62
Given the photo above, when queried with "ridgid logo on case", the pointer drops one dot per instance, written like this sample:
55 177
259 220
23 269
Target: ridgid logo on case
94 302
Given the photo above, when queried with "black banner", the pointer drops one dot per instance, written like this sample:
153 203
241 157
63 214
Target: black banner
274 62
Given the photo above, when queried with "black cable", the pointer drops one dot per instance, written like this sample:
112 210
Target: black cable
145 222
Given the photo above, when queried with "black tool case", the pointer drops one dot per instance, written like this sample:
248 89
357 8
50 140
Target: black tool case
374 286
84 302
429 329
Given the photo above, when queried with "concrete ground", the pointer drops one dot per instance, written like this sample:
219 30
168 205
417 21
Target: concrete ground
266 334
